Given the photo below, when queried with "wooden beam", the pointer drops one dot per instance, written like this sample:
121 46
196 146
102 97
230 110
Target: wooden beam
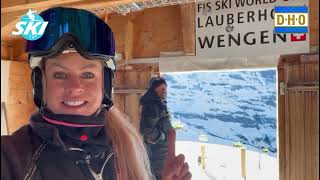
6 51
129 40
105 4
37 5
7 29
129 91
187 15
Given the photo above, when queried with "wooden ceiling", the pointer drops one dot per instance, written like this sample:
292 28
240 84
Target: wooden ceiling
140 34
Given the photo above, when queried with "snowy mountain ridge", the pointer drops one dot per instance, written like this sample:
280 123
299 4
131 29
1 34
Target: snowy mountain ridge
226 106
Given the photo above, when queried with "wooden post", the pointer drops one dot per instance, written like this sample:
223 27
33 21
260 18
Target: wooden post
203 156
243 163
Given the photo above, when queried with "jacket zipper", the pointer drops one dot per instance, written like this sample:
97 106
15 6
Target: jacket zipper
96 176
99 175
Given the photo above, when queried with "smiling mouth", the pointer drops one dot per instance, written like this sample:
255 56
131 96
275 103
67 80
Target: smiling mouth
74 103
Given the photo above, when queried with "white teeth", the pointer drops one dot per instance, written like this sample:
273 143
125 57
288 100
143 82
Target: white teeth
73 103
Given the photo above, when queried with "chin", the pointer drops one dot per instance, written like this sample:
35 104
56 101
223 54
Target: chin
67 111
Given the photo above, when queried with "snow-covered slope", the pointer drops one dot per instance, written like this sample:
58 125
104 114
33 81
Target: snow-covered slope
226 106
224 162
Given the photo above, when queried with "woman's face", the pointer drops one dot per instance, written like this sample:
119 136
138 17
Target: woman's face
73 84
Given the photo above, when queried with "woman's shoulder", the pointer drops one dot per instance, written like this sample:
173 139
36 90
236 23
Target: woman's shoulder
17 138
16 152
21 142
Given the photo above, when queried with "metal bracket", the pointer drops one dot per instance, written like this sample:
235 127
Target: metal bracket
282 88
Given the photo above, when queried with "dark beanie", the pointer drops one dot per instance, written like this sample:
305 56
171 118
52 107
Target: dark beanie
155 82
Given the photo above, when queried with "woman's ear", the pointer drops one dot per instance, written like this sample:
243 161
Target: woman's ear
37 82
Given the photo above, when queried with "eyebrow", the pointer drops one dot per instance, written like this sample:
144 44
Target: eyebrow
66 68
91 65
58 65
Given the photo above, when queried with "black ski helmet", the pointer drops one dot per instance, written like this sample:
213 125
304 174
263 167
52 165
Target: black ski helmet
76 29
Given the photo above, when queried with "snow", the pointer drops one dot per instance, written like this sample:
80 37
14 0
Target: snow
224 162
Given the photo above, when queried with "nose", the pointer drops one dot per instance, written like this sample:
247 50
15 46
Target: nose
73 86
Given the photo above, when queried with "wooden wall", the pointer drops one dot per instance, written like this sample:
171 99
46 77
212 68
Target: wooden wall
130 85
298 125
19 105
142 35
314 22
155 30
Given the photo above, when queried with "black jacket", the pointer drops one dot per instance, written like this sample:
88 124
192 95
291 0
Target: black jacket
155 126
26 155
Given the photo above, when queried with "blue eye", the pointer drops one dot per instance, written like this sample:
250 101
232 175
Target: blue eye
60 75
87 75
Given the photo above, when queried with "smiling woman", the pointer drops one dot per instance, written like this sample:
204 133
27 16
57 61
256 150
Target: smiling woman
76 128
72 84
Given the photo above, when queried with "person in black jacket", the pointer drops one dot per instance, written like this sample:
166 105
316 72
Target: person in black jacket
155 123
77 133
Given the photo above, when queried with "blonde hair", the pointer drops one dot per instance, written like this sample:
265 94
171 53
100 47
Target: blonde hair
130 151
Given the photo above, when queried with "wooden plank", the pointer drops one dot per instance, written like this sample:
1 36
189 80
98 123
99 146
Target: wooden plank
20 81
7 29
312 71
317 135
144 77
281 127
132 80
19 115
18 96
6 52
20 99
119 81
157 30
303 88
7 3
13 52
117 22
187 14
20 69
296 147
311 156
294 72
129 40
312 118
288 123
132 108
37 5
118 100
314 26
129 91
104 4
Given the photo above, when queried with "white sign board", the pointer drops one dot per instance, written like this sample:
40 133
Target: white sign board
244 28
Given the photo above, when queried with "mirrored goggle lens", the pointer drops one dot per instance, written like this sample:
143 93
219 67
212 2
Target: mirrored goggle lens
94 34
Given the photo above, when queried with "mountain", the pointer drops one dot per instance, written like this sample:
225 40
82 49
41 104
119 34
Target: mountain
226 106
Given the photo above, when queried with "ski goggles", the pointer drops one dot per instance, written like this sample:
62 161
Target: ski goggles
90 35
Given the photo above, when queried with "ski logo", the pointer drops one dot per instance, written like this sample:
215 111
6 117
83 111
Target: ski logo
31 26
